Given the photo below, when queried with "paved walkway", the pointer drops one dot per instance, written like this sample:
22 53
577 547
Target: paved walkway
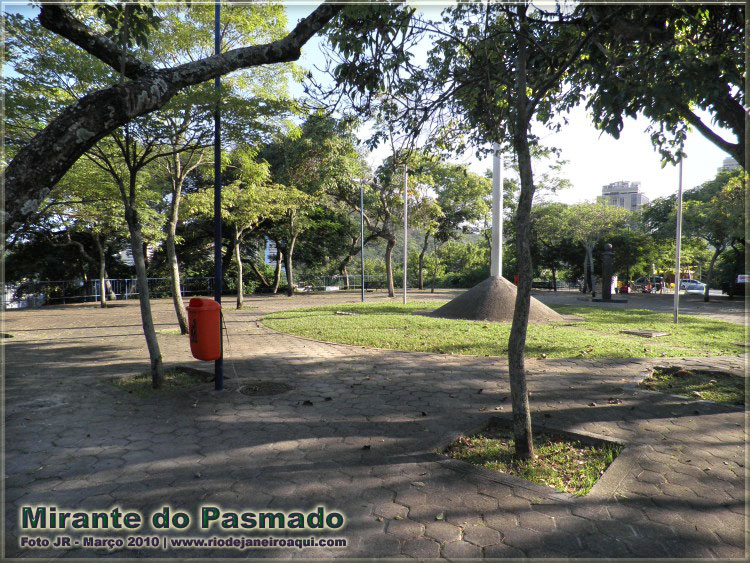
358 434
719 307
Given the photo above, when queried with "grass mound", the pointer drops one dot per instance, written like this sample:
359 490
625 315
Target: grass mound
566 465
396 327
175 379
716 386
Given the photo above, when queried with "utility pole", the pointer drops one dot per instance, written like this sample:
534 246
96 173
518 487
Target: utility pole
496 251
362 234
406 208
677 248
218 276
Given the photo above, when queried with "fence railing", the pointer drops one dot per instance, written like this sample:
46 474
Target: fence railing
53 292
38 293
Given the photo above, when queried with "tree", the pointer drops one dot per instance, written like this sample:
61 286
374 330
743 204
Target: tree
586 224
42 161
711 213
87 200
491 70
666 61
549 232
251 101
246 203
459 203
318 163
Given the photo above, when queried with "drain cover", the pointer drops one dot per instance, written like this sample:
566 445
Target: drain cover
646 333
264 388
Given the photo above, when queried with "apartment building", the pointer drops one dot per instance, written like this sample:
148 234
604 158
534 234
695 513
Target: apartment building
623 194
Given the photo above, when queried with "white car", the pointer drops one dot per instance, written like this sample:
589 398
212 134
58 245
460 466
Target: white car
683 283
695 287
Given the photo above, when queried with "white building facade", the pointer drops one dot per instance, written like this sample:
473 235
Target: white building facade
623 194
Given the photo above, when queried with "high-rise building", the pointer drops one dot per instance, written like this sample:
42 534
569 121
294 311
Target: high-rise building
728 164
623 194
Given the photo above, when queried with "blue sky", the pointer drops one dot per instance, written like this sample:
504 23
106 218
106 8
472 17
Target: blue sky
594 158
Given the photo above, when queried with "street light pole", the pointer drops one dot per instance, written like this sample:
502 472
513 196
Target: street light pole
406 207
218 275
677 248
362 234
496 252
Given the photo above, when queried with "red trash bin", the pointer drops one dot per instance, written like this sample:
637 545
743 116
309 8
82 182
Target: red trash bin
204 319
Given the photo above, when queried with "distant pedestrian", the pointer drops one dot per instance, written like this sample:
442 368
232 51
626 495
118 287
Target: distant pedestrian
661 286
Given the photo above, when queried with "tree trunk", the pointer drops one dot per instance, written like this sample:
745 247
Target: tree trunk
102 272
174 280
259 274
342 267
346 277
524 446
238 260
389 267
289 268
110 291
277 272
590 257
420 270
174 266
136 243
585 271
717 252
554 279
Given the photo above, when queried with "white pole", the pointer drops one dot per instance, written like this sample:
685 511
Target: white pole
362 235
678 243
496 250
406 208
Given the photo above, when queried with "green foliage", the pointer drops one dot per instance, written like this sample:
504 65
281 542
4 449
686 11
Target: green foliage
136 19
586 223
666 61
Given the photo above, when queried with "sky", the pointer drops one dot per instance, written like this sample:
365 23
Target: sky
594 158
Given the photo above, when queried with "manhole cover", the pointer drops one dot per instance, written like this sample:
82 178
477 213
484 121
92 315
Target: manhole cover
646 333
264 388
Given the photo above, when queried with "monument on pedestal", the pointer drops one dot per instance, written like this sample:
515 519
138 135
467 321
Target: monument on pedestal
607 271
494 299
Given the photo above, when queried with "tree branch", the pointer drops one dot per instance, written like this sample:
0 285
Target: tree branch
733 149
40 164
60 21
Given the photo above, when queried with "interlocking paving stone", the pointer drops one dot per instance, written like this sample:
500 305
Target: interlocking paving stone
89 444
461 550
442 531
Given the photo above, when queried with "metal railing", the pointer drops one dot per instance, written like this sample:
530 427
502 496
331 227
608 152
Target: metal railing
62 292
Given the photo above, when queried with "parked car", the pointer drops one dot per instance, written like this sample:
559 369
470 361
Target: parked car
695 287
683 283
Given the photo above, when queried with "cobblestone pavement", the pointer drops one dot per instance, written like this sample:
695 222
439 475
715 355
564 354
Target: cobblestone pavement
719 307
358 433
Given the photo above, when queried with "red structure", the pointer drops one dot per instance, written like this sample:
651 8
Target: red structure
204 319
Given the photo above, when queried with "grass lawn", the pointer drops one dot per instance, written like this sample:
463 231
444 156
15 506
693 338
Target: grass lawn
710 385
395 326
566 465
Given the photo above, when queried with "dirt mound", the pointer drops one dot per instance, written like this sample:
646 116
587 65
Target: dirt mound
493 300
